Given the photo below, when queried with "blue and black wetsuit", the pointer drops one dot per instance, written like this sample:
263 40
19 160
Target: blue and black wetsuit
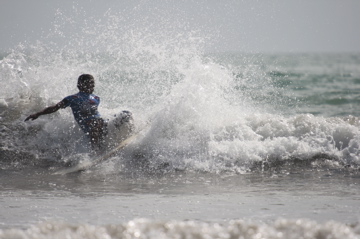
85 109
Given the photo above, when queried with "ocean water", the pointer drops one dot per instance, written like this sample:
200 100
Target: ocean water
231 145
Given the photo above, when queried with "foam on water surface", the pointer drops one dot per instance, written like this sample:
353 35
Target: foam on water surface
203 114
142 228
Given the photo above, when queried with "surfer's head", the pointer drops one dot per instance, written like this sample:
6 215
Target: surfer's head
86 83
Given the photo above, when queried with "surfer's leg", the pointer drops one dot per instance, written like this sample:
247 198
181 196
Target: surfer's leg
97 134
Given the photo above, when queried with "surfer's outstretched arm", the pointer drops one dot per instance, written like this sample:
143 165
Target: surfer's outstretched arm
48 110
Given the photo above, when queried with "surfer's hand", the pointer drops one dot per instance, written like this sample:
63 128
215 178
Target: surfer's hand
32 117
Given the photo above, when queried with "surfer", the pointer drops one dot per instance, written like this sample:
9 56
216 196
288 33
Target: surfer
84 106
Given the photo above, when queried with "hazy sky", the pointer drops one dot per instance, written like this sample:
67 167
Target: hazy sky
233 25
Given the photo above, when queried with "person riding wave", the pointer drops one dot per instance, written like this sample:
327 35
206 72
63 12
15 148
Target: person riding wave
84 106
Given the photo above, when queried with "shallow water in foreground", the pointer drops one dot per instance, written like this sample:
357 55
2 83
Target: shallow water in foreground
100 197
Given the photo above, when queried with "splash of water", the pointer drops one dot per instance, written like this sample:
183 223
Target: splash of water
203 115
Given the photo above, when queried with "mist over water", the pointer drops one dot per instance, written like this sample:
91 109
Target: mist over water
205 112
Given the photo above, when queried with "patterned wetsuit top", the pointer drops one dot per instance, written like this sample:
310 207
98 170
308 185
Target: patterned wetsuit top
84 107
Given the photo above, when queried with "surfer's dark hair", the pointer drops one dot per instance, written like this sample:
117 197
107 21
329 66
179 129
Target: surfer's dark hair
84 78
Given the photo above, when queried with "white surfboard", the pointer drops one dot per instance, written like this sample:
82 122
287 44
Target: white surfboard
89 163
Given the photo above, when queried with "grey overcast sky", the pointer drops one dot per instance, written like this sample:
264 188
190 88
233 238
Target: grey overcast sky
236 25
